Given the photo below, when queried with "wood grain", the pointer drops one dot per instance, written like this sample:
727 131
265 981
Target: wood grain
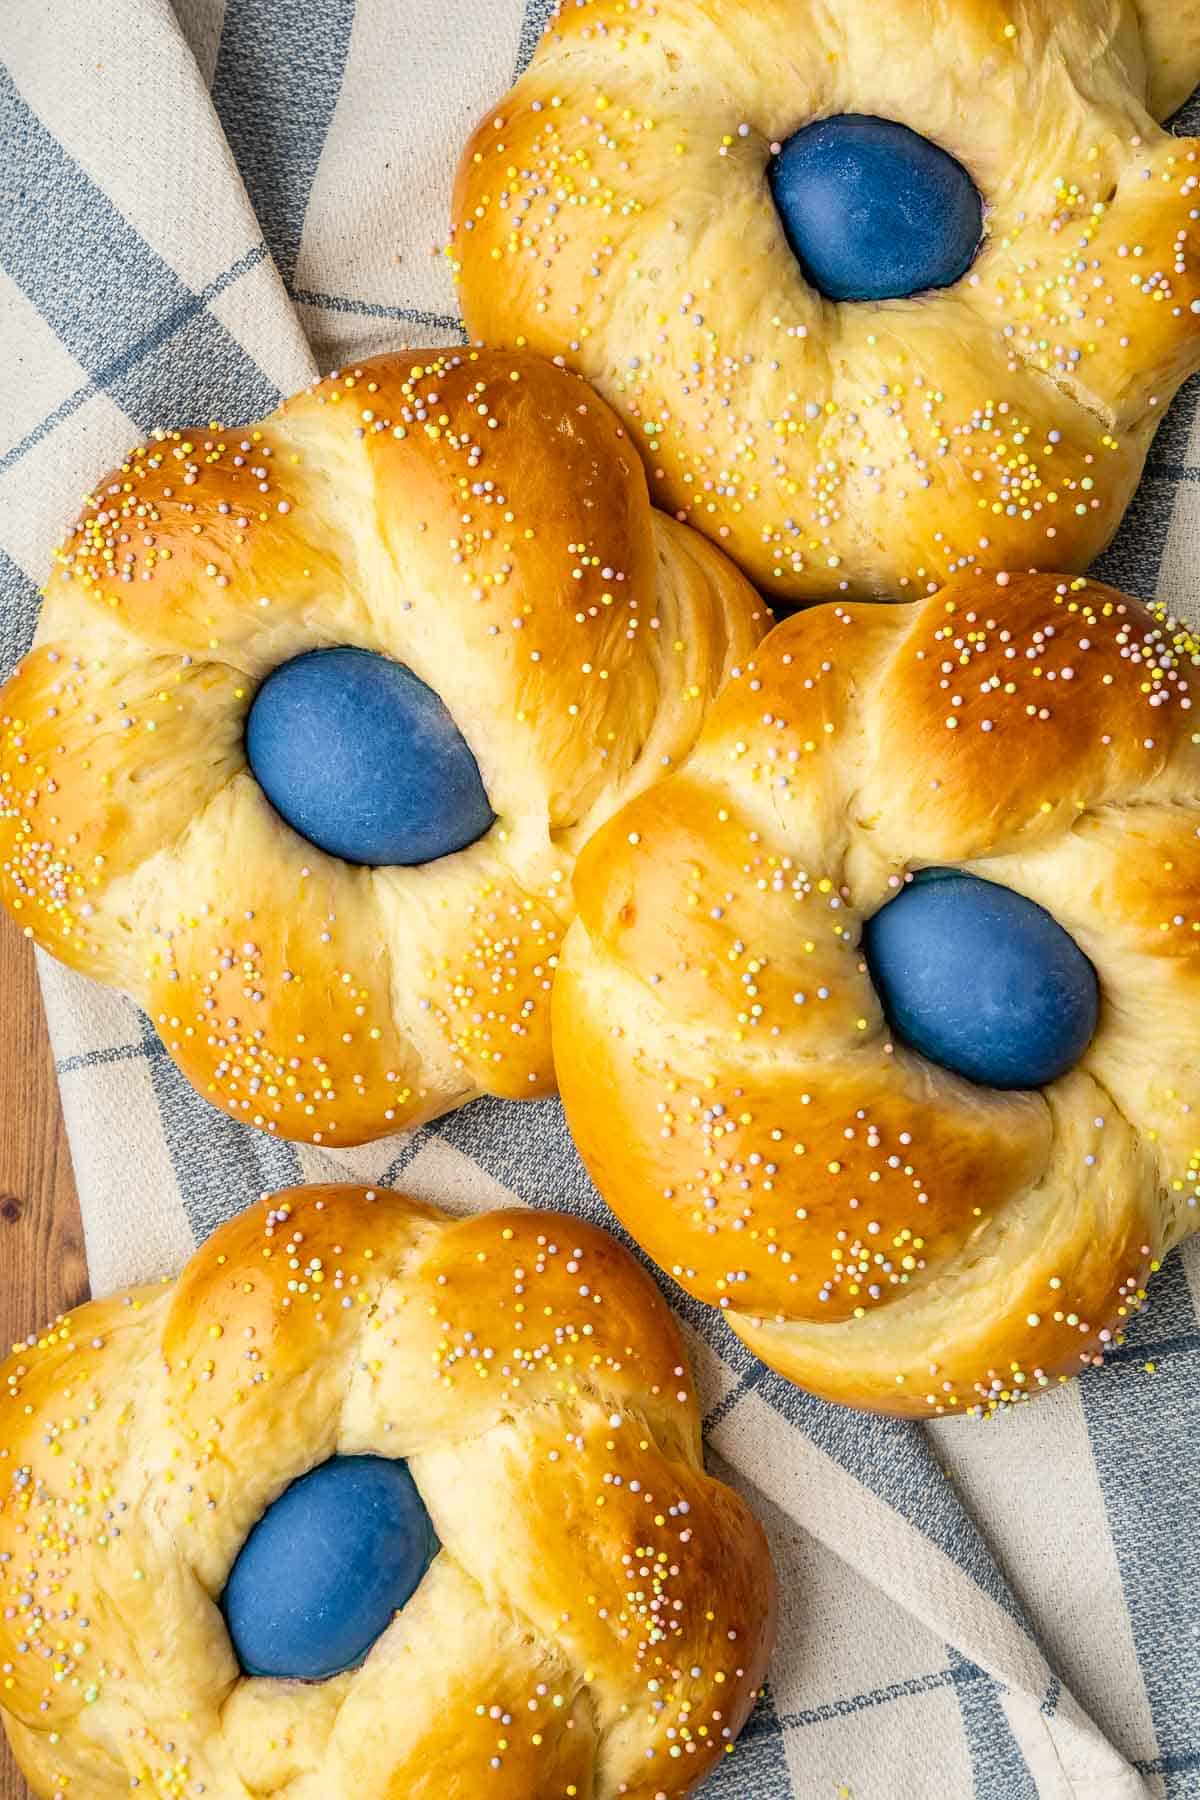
42 1267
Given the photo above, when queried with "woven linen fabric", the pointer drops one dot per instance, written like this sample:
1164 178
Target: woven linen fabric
200 208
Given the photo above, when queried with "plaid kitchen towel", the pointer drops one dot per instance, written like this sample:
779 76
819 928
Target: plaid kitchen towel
199 208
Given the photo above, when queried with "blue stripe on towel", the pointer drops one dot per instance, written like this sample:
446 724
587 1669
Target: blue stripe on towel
408 1152
220 1166
960 1674
750 1378
111 1053
537 13
1144 1442
1187 1343
999 1770
1133 559
1184 1764
276 84
134 327
248 401
372 309
19 604
222 383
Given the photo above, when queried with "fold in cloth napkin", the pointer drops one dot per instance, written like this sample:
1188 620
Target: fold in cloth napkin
201 207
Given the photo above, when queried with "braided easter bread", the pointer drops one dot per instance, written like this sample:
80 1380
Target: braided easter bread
883 292
588 1613
921 1147
426 608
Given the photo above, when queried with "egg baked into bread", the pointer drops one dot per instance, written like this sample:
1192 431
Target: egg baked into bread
879 1025
319 712
884 293
373 1505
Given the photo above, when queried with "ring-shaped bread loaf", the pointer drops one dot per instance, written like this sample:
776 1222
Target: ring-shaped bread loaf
616 210
477 517
596 1621
876 1227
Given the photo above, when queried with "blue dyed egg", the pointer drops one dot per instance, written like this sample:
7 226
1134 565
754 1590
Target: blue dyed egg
321 1574
873 211
361 757
981 980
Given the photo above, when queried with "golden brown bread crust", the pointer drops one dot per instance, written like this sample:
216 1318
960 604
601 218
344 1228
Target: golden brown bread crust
873 1226
535 1380
614 211
1171 40
478 516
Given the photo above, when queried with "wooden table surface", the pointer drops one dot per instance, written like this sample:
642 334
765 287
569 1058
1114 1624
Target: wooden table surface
42 1268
